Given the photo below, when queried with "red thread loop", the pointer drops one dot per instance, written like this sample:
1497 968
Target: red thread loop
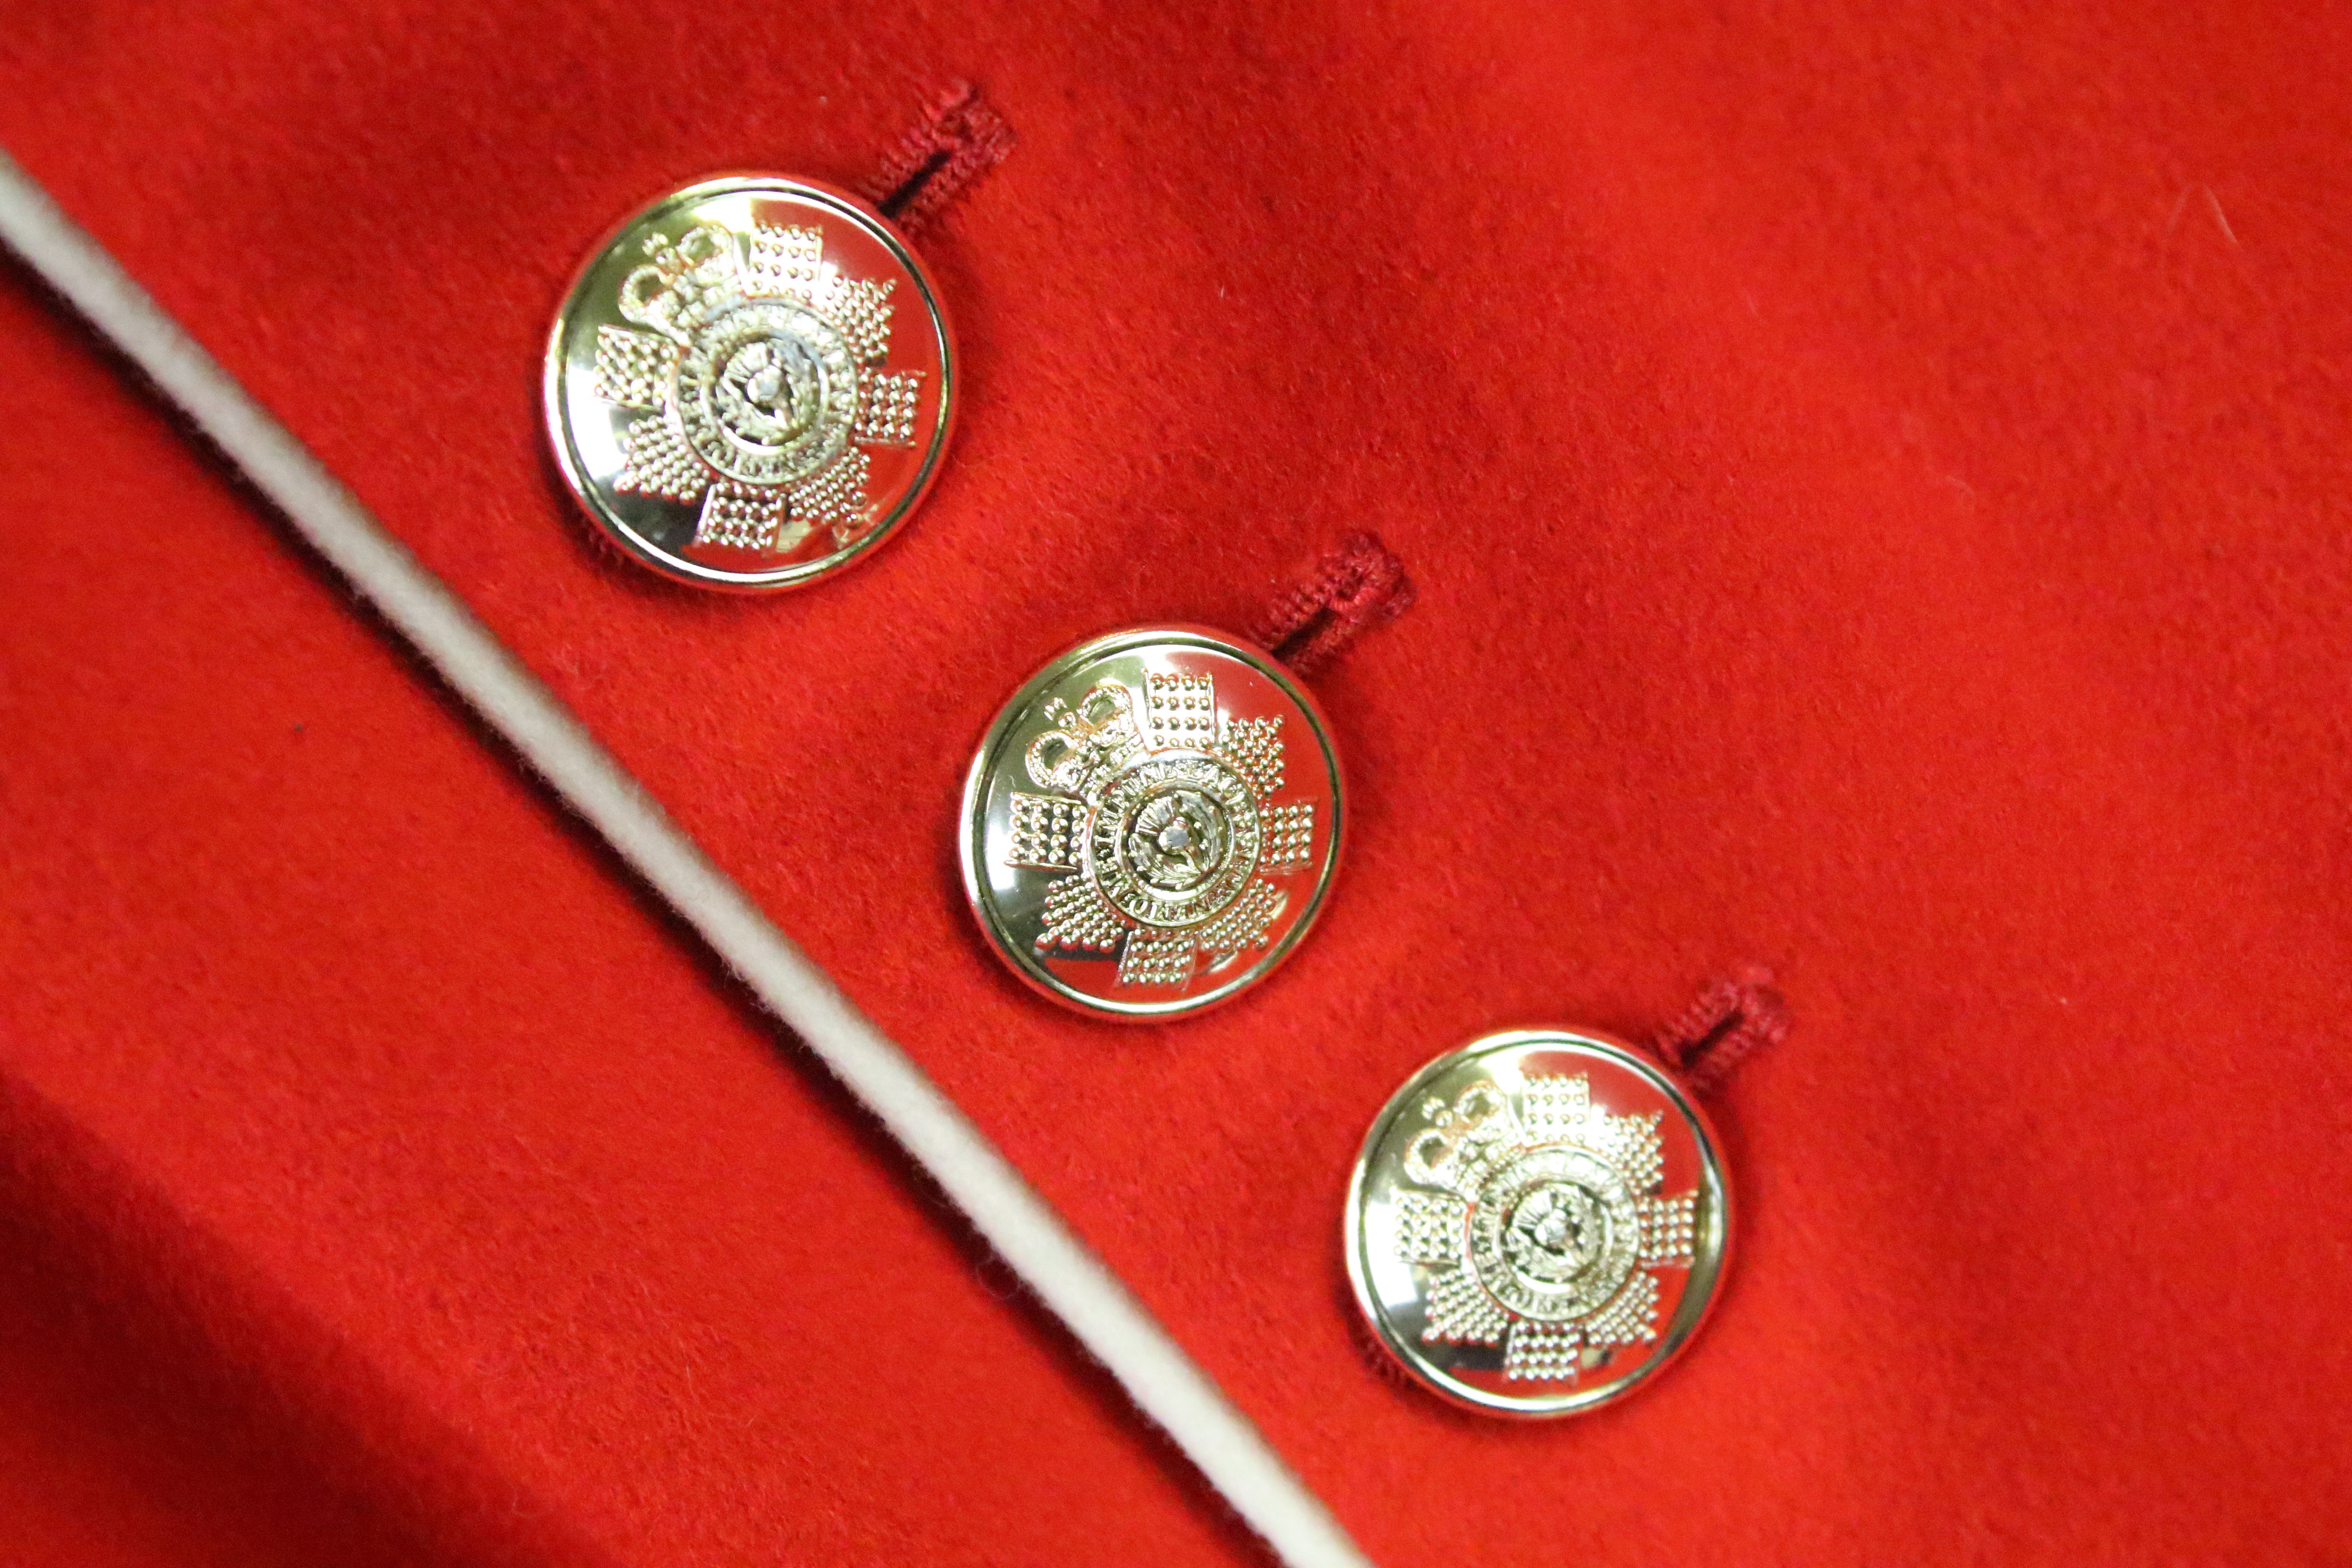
959 139
1731 1021
1351 589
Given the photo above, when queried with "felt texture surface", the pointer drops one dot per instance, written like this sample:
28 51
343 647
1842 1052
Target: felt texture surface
1874 487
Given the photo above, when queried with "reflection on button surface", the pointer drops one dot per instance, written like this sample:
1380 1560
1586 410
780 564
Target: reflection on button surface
751 384
1538 1222
1152 823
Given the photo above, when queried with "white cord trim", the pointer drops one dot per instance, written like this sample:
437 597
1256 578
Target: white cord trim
1019 1225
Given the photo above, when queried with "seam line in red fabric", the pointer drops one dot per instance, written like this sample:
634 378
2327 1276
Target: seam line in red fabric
935 164
1352 587
1027 1231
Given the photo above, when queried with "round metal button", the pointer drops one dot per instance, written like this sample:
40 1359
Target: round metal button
1538 1222
752 382
1152 823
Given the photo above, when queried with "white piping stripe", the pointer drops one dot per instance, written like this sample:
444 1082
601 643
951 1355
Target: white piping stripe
1018 1223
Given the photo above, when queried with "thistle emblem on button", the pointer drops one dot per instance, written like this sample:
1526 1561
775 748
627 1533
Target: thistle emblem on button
1538 1223
1152 823
751 383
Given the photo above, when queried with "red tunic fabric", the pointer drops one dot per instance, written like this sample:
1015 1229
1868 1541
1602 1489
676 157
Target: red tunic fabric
1877 491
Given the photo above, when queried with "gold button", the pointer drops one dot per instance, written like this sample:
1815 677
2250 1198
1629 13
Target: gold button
751 383
1538 1223
1152 823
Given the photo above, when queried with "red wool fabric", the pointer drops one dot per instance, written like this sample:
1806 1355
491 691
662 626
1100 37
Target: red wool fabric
1875 487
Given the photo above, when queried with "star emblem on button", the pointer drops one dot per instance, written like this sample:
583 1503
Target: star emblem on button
1538 1223
751 384
1152 823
